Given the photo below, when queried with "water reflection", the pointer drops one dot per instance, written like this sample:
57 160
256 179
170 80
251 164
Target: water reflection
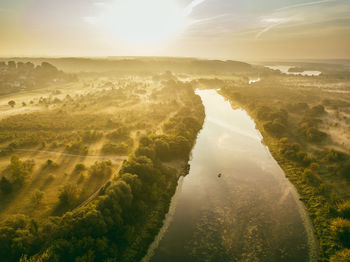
250 213
285 70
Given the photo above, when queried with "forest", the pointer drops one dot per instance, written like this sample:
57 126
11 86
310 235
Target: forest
89 167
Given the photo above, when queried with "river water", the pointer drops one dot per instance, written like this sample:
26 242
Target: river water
250 213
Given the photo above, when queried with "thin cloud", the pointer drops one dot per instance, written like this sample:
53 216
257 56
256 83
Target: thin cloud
274 22
305 4
189 9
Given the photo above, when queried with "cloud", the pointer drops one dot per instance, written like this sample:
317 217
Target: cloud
305 4
285 13
272 23
189 9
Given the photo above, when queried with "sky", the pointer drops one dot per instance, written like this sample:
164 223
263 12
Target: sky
221 29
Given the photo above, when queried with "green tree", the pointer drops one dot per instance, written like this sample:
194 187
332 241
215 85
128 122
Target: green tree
37 197
69 195
12 103
5 186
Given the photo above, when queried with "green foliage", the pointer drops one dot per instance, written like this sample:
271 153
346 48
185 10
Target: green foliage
310 177
69 195
120 223
12 103
79 167
5 186
342 255
91 136
275 127
317 110
340 228
101 169
344 170
77 148
344 209
119 149
37 197
121 133
335 156
18 171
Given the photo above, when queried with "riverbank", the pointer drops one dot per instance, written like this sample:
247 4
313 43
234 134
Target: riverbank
315 195
154 221
248 213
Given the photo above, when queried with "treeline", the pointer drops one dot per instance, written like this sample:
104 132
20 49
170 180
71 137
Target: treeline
292 132
18 76
146 65
122 221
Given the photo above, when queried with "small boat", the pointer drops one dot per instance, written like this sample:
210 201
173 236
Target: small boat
219 175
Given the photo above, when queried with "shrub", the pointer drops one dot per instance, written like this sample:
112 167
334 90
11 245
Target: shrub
19 170
5 186
344 171
101 169
310 177
344 209
340 228
342 255
37 197
77 148
79 167
69 195
110 148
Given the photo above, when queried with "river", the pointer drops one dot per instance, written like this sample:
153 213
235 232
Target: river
250 213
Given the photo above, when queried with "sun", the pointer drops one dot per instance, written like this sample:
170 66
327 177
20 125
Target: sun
143 22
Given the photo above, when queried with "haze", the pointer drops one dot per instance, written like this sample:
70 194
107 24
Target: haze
245 30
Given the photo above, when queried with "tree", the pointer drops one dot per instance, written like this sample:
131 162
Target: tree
340 228
69 195
12 103
5 186
345 170
37 197
19 170
342 255
344 209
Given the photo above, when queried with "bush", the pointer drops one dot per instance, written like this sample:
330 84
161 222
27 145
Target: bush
344 171
310 177
37 197
69 195
317 110
19 170
77 148
101 169
275 127
344 209
110 148
5 186
340 228
342 255
79 167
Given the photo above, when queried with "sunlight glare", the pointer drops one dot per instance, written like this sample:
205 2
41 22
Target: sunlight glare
144 22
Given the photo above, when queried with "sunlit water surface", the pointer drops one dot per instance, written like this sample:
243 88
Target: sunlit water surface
285 70
250 213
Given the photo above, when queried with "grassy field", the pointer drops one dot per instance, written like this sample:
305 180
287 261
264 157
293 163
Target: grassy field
114 112
100 149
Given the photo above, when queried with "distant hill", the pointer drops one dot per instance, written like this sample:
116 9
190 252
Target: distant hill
142 64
